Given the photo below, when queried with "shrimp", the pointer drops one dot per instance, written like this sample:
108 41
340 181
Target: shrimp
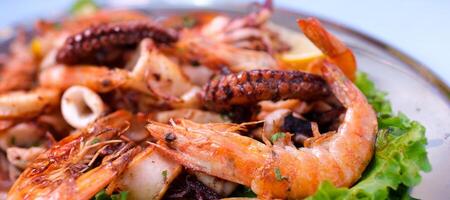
99 79
332 47
20 104
19 70
195 48
279 170
67 169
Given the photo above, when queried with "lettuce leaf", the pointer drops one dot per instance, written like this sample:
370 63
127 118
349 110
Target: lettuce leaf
399 157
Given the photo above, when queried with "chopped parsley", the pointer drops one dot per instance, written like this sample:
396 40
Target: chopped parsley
95 141
278 175
123 195
189 22
164 174
277 136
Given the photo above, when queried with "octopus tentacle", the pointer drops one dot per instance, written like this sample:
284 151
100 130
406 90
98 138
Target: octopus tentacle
87 46
249 87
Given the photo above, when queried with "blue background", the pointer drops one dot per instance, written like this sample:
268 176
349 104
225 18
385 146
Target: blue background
420 28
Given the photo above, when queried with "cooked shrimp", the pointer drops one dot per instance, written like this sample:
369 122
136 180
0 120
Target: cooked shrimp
331 46
20 104
67 169
99 79
19 70
281 170
199 49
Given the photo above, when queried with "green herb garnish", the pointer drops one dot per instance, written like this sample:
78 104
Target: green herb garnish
164 174
277 136
95 141
278 174
189 22
123 195
101 196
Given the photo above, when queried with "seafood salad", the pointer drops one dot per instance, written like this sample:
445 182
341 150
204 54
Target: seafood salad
122 104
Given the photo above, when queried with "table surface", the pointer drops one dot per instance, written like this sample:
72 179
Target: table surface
419 28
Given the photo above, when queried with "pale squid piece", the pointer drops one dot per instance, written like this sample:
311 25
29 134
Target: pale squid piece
154 73
280 170
165 78
81 106
21 134
20 104
21 157
222 187
148 175
138 66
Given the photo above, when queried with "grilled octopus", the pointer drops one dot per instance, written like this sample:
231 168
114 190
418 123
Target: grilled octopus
105 43
250 87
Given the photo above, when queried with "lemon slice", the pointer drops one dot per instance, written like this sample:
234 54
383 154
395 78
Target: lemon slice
302 51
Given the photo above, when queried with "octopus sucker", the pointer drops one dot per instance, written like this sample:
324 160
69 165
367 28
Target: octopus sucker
250 87
104 43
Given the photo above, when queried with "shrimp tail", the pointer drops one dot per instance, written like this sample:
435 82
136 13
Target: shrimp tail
335 50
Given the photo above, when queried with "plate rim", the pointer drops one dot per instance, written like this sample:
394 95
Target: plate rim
421 69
